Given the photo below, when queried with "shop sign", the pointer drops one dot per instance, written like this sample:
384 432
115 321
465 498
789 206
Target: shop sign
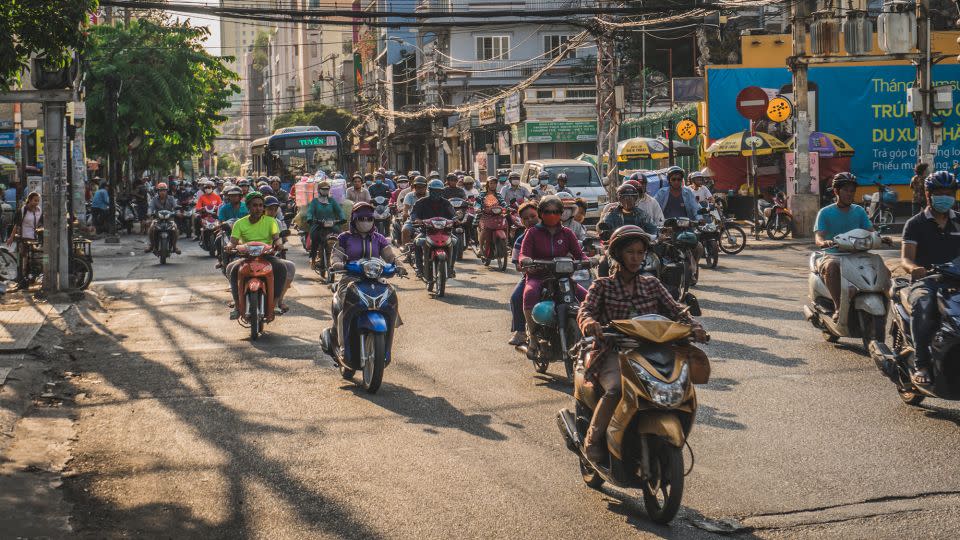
547 132
511 105
503 143
488 115
8 139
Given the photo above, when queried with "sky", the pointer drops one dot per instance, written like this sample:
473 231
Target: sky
211 22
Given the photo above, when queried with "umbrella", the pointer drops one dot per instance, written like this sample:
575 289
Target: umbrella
641 148
589 158
825 144
679 148
738 144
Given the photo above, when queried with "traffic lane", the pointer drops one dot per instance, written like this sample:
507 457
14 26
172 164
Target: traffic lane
246 415
792 422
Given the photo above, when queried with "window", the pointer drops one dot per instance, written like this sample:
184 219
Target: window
493 47
582 94
296 50
544 94
314 50
347 42
553 44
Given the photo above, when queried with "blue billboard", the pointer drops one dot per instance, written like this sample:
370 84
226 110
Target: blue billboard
864 105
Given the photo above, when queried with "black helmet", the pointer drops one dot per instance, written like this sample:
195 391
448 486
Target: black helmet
562 176
623 236
542 175
843 178
451 176
627 190
513 175
419 181
675 170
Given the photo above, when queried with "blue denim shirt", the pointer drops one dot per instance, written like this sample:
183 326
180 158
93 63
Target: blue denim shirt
690 203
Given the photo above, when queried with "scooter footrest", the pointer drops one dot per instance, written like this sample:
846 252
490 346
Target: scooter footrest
884 358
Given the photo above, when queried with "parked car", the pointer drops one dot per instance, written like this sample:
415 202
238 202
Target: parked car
582 180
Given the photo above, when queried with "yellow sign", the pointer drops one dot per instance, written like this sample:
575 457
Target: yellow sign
40 146
779 109
686 129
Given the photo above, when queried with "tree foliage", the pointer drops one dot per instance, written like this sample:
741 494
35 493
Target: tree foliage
261 46
42 28
171 91
317 114
227 165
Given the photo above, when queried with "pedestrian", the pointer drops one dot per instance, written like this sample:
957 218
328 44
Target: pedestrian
10 194
916 184
100 206
28 220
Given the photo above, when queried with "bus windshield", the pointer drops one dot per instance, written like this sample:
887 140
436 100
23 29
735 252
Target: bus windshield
305 161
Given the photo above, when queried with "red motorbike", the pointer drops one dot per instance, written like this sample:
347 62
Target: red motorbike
436 246
208 229
494 231
255 287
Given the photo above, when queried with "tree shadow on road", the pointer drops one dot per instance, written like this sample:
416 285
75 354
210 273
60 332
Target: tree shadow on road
720 324
472 302
738 293
554 382
739 351
434 412
711 416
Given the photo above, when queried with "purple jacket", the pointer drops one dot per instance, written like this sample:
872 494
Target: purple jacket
359 246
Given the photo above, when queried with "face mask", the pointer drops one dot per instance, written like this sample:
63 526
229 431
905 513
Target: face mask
364 226
942 203
379 180
550 220
544 182
514 183
208 190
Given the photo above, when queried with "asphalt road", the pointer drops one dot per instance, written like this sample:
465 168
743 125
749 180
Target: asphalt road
187 429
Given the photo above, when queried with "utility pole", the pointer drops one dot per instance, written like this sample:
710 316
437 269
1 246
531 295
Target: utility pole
924 120
608 117
113 84
56 242
804 203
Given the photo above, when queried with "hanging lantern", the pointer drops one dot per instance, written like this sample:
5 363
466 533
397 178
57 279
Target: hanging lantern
825 33
857 33
897 27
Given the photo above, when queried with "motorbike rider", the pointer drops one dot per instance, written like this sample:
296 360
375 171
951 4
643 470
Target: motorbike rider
677 200
469 187
514 193
402 184
529 217
323 208
272 209
701 191
431 206
627 293
838 218
281 194
244 185
257 227
163 201
569 210
358 193
379 187
547 240
930 237
233 207
434 175
207 198
452 191
417 191
543 184
562 183
626 211
491 196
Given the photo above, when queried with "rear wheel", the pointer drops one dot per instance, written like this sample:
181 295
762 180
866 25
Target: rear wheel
664 489
163 256
884 217
779 227
732 239
374 346
440 276
81 273
253 308
502 254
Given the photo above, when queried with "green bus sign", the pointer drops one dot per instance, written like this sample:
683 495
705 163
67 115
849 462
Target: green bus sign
295 143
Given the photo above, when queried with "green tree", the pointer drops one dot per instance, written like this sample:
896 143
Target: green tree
171 91
317 114
261 46
227 165
42 28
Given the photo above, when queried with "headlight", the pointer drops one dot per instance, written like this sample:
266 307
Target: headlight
255 251
372 269
862 244
663 394
581 275
563 267
683 223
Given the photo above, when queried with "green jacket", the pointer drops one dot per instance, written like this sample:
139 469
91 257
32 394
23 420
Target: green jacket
329 211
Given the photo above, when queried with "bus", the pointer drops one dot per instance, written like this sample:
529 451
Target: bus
295 151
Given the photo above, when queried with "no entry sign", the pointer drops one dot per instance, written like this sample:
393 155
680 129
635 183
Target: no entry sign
752 103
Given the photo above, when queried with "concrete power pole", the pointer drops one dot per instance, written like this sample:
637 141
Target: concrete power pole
804 203
56 244
924 80
608 117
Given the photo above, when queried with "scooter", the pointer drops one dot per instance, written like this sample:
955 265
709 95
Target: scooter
556 313
650 426
221 242
494 230
382 216
896 362
864 281
469 223
165 235
255 287
435 246
709 234
208 229
363 337
184 219
126 214
460 208
676 247
321 263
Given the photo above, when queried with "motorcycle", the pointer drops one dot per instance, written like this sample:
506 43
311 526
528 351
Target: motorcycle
494 231
878 204
208 229
709 234
366 322
255 287
382 215
780 223
679 266
396 230
435 244
469 223
165 235
126 214
897 361
556 313
289 210
184 218
650 426
223 239
460 207
321 263
863 283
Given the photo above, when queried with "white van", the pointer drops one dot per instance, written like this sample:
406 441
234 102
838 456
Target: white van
582 181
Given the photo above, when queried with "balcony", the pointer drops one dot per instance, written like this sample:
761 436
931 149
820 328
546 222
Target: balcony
507 69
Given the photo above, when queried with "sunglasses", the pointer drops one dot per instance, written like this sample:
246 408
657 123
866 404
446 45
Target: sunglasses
557 212
364 219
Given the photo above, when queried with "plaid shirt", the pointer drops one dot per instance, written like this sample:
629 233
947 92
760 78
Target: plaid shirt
609 299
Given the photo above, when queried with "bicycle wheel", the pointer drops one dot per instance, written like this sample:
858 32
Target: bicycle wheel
81 273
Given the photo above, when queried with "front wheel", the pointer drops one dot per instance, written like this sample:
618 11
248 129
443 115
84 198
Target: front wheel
871 328
779 227
732 239
439 277
374 346
712 254
253 308
884 218
663 490
910 397
502 254
81 273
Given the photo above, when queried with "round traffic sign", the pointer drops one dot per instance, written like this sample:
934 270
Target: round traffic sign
779 109
752 103
686 129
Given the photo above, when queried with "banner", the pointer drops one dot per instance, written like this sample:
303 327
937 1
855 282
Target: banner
864 105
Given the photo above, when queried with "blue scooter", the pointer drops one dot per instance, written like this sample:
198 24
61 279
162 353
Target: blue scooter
362 336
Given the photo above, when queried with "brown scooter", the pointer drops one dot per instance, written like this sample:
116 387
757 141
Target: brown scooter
645 438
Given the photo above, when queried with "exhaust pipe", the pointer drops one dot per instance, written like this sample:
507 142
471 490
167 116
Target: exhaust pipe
884 358
568 429
809 313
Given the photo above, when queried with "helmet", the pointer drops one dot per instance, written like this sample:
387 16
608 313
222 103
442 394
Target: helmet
843 178
323 184
637 177
567 199
233 191
266 189
419 180
468 180
356 175
252 195
271 201
162 186
414 173
940 180
674 170
623 236
243 182
545 313
434 174
627 190
435 184
548 200
513 175
402 179
378 174
367 177
361 209
543 175
274 179
695 175
562 176
634 183
263 179
451 176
